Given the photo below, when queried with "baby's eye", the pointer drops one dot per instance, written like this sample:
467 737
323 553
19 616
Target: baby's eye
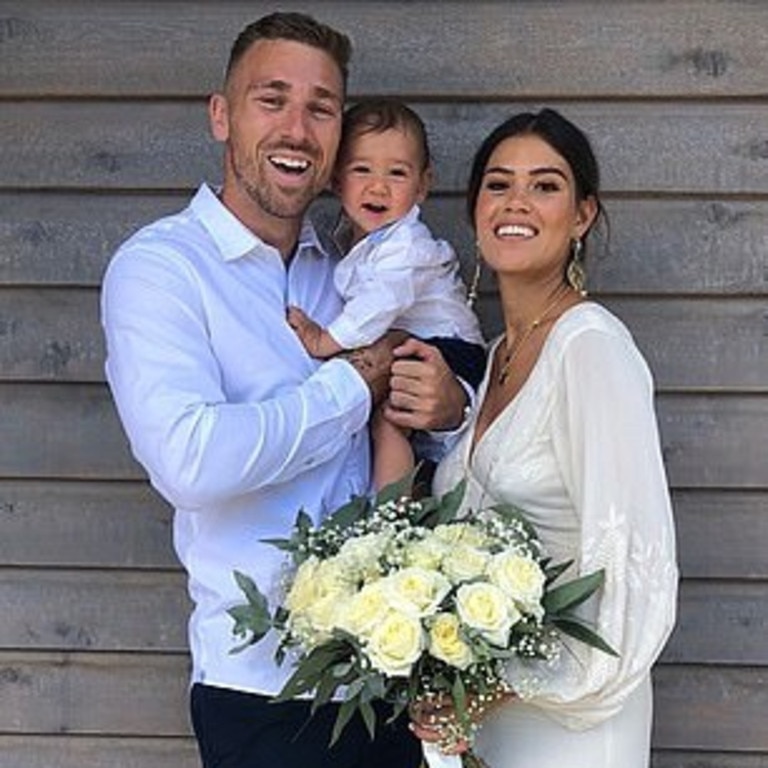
359 168
399 173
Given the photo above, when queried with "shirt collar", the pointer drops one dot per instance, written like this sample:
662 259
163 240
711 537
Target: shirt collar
233 239
342 233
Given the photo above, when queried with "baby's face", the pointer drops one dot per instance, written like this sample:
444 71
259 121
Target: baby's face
380 179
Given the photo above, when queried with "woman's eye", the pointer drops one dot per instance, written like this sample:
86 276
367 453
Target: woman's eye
496 185
547 186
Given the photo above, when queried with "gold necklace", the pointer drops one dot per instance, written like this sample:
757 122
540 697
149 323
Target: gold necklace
512 352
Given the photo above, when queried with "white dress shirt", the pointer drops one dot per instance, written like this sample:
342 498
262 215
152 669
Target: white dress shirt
236 426
400 276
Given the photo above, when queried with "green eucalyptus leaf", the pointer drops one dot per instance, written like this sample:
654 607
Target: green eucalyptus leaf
346 710
567 596
579 631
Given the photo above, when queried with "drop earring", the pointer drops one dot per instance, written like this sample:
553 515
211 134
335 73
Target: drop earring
474 284
576 274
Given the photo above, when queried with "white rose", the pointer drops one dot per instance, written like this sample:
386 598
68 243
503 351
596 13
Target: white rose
303 591
426 553
465 563
364 611
484 607
446 643
521 579
395 644
416 591
361 556
461 533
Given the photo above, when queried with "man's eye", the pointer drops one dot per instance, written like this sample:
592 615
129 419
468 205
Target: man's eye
271 102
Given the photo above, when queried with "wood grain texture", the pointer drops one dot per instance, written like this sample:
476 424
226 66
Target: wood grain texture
83 524
550 48
722 533
86 610
122 695
687 148
36 751
690 344
655 246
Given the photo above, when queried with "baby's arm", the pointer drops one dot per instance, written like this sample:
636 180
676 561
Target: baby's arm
316 340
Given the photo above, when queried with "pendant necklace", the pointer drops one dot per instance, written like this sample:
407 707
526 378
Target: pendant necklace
512 351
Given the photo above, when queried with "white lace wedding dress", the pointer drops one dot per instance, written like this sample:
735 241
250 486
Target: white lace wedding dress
578 450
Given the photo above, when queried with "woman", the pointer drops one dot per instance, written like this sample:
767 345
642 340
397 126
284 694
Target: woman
566 430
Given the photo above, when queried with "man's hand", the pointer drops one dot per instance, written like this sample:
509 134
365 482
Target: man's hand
424 393
374 362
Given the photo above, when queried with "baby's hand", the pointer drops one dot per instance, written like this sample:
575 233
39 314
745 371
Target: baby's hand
315 339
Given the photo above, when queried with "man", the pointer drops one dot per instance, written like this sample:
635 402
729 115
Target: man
234 423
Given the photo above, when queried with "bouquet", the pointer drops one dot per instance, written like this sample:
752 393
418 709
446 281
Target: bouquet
402 600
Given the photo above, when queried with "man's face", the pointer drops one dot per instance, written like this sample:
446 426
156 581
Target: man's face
280 117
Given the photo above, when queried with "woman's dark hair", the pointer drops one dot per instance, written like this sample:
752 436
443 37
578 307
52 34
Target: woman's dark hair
297 27
561 134
379 115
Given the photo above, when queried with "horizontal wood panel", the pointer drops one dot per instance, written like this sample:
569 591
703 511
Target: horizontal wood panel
110 525
88 693
720 623
62 431
705 344
97 752
714 708
653 246
503 48
51 335
715 442
71 431
56 610
717 344
722 534
683 759
684 148
717 708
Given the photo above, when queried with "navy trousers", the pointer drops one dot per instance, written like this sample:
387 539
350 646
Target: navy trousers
243 730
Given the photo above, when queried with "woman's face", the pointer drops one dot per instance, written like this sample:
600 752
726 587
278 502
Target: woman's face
526 213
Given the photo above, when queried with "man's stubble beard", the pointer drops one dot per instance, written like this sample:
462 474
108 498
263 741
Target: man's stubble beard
268 196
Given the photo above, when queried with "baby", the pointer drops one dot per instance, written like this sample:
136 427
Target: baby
394 274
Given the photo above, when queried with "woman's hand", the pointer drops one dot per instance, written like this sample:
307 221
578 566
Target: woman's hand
424 393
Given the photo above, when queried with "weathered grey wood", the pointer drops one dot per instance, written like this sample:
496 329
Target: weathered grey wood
62 431
717 344
146 695
506 48
97 752
711 708
88 693
710 344
67 239
715 442
654 246
710 441
722 534
120 525
681 759
720 623
92 610
51 335
687 148
71 524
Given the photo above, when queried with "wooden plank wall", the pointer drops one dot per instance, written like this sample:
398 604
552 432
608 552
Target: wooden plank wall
103 127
